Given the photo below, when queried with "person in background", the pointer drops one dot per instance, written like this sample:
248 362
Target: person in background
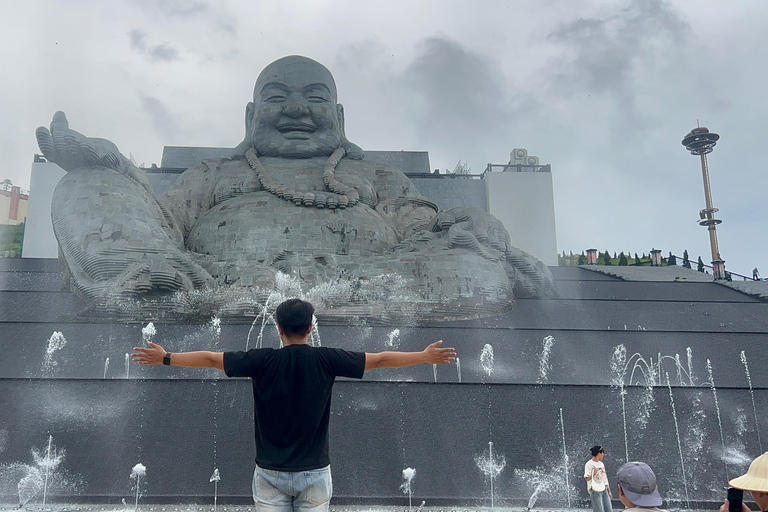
597 481
755 481
637 487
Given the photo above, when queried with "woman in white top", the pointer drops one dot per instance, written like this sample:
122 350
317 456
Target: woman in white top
597 481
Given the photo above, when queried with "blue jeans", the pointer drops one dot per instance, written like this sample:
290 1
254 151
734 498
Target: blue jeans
288 491
600 501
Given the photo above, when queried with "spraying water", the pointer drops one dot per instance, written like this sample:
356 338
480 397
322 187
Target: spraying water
215 478
491 465
544 366
55 343
137 473
434 372
752 395
565 459
148 332
689 355
458 368
248 338
619 373
215 326
407 485
717 409
393 338
127 366
106 367
486 359
679 444
38 477
314 335
29 486
49 463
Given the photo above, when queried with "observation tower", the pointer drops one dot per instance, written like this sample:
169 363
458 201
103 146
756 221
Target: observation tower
700 141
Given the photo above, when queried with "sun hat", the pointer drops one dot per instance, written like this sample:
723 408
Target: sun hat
638 482
756 478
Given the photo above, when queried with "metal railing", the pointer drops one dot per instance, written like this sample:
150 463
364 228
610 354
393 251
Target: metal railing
518 168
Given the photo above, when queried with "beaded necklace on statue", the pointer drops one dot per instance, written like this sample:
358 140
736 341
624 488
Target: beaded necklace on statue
337 194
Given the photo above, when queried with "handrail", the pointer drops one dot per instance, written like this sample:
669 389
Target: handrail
518 168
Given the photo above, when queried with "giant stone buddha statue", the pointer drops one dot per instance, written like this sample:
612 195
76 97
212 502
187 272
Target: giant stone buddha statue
295 198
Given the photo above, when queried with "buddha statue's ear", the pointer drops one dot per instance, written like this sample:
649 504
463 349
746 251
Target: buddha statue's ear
353 151
247 143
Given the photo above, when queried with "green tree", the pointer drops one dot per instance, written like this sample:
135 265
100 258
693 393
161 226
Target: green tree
607 258
582 259
622 260
700 265
686 260
637 260
672 260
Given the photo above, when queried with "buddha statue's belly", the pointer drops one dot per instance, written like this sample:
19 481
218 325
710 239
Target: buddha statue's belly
259 227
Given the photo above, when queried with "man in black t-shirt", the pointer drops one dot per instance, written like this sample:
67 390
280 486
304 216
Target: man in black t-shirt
292 403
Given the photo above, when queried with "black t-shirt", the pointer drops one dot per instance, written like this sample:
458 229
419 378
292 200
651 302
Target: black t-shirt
292 400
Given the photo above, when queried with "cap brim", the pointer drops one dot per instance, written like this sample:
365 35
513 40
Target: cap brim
644 500
750 483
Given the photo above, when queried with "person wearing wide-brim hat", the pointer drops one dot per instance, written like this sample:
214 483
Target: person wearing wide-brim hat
754 481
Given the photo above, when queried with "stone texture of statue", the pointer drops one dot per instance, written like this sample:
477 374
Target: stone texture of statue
296 198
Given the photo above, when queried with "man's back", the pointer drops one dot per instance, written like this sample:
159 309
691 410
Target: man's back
292 400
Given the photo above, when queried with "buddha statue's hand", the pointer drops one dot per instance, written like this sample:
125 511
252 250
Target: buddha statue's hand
473 229
71 150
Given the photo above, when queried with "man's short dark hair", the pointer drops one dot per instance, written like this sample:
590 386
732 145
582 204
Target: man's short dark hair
595 449
294 317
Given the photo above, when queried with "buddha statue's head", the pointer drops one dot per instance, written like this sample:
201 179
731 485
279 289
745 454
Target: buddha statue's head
294 113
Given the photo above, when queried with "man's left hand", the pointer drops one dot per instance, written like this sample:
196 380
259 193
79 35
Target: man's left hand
436 355
152 355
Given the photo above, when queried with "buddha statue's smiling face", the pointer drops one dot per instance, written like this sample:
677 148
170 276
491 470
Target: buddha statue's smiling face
295 112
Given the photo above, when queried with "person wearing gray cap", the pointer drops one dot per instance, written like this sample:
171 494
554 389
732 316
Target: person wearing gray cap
754 481
637 487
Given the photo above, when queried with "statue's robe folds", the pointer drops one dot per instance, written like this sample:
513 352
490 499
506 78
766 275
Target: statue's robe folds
217 225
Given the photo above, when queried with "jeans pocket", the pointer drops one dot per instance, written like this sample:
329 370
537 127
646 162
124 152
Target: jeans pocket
318 487
264 489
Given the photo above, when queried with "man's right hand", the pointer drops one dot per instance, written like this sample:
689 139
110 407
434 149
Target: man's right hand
70 149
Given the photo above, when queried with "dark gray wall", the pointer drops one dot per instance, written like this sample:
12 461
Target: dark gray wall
159 417
377 430
450 191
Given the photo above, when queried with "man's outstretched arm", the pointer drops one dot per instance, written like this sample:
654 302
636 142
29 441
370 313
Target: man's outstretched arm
155 353
433 354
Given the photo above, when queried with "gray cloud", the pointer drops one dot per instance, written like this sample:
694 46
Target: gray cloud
163 121
613 55
459 96
181 8
161 52
185 10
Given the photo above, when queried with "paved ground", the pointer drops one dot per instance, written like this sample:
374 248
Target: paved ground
341 508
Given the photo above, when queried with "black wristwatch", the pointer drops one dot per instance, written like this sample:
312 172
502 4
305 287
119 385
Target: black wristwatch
167 359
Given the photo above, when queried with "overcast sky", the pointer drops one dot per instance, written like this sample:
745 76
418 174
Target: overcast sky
602 90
